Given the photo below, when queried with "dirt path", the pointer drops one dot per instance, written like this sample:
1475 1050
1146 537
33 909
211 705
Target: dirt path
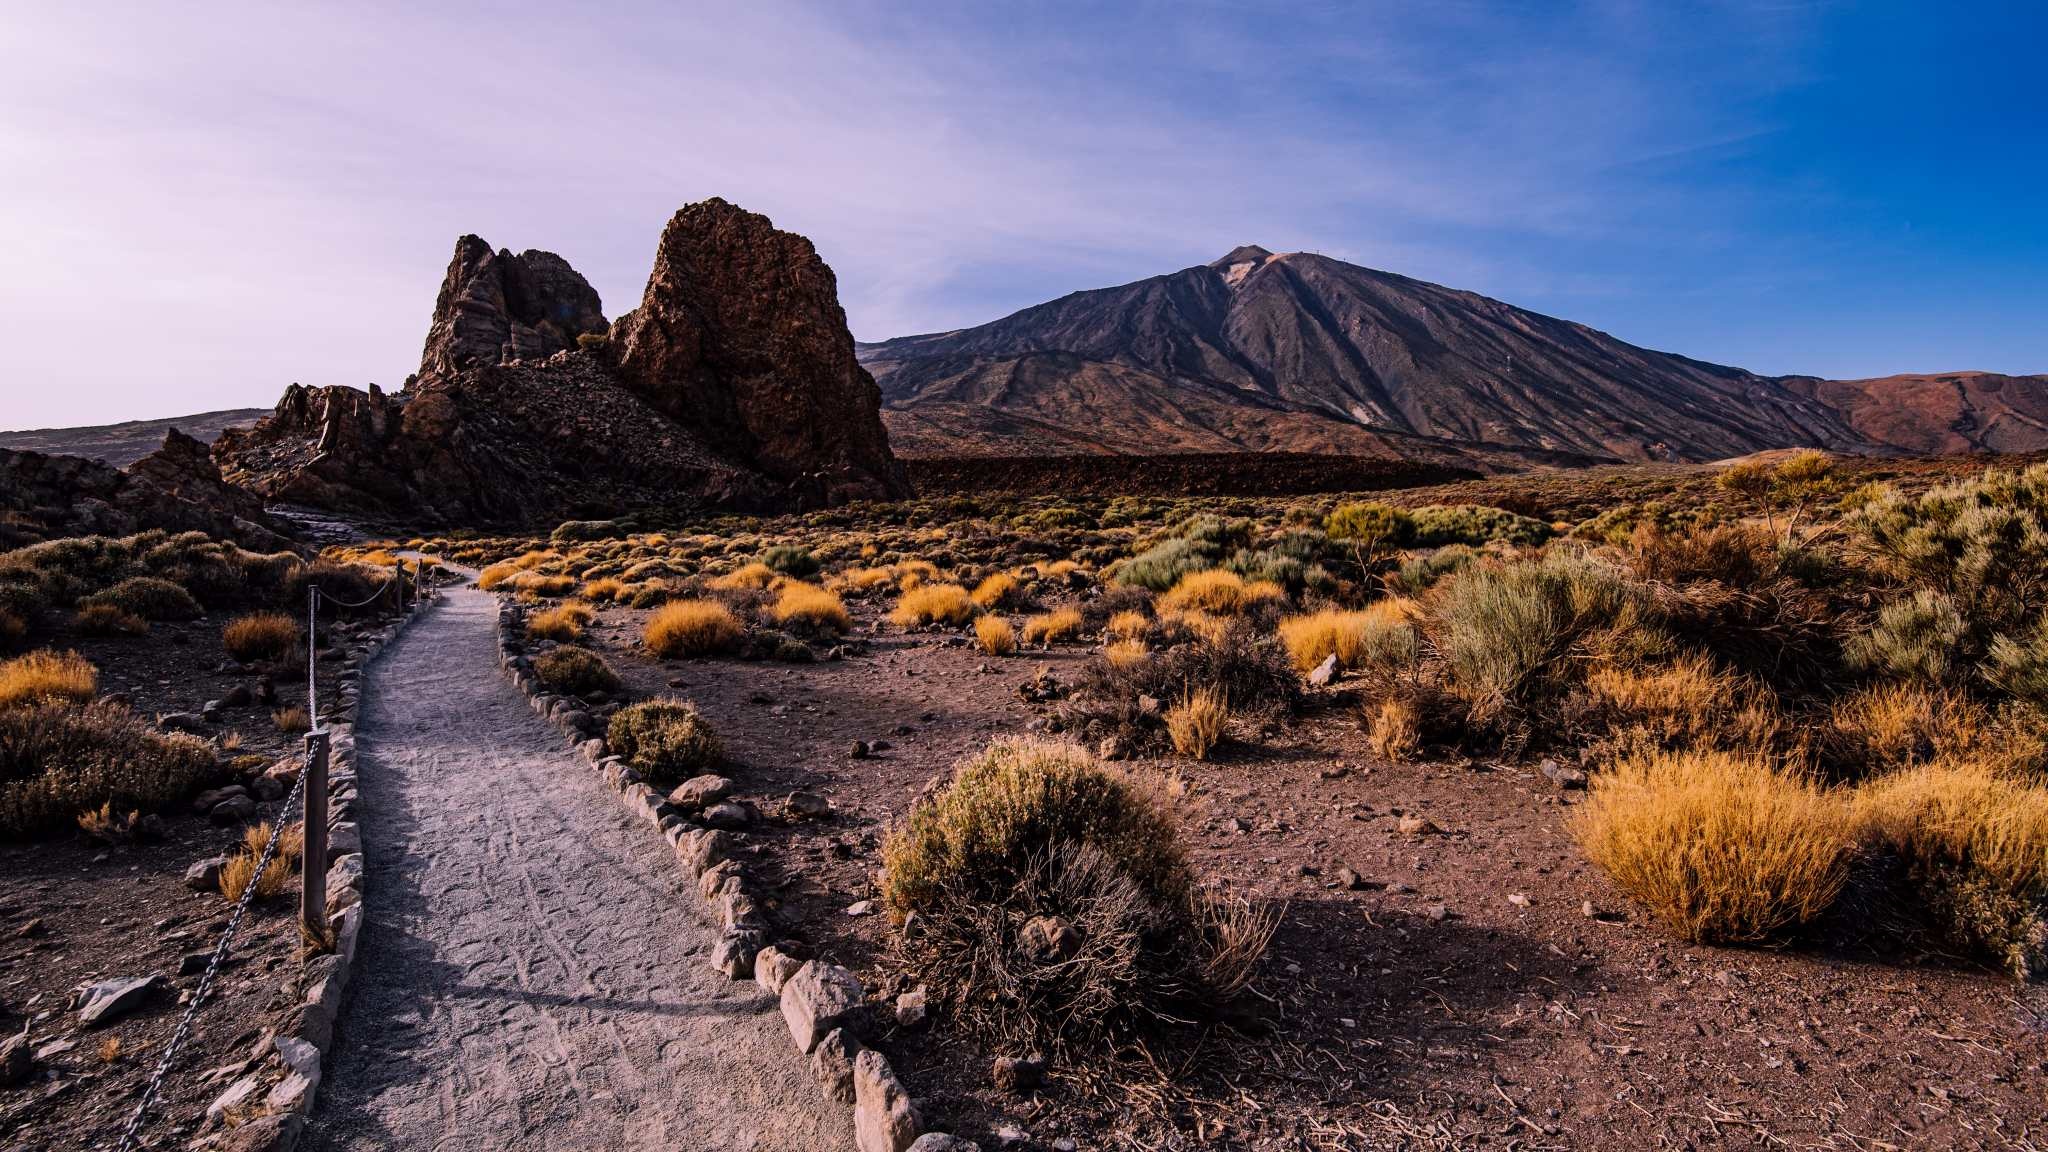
532 970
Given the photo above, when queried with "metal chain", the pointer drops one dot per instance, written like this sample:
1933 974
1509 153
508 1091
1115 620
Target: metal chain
220 952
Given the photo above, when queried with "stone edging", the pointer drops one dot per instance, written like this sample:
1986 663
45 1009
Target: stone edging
821 1003
282 1102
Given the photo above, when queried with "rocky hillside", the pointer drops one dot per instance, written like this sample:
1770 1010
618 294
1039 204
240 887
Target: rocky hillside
1301 352
1941 413
177 488
125 443
733 385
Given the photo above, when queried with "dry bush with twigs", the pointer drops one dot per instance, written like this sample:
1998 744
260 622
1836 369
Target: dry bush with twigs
1722 846
683 628
1047 898
664 740
1394 730
573 671
60 757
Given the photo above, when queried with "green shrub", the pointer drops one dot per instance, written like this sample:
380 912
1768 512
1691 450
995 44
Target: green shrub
791 560
1919 638
59 759
664 740
1473 524
1507 628
1161 566
149 597
575 671
1371 529
1419 573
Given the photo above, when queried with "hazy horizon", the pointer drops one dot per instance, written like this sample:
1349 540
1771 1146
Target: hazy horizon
206 208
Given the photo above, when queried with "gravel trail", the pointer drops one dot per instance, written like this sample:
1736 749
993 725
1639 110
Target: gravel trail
532 973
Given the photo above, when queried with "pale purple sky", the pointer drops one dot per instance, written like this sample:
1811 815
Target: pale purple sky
201 203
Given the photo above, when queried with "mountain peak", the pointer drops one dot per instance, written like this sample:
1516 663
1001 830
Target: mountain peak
1241 254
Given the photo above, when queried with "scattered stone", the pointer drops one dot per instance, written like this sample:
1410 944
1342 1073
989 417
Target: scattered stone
267 789
1413 825
16 1061
731 817
206 801
861 908
1019 1075
1111 748
1049 939
1437 912
1349 880
1563 777
107 1000
910 1008
1149 705
193 963
204 875
772 969
233 810
1518 899
808 806
700 792
884 1120
734 953
832 1065
191 722
1587 910
818 999
1324 672
941 1142
861 750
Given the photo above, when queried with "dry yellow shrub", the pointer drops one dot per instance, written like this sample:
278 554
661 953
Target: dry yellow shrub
47 675
995 635
1052 627
1219 592
692 628
801 605
998 591
1196 724
1383 634
1128 625
1721 846
751 578
1395 730
564 623
933 604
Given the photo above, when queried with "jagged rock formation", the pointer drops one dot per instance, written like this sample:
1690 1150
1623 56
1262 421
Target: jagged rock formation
1300 352
740 334
177 489
495 307
734 385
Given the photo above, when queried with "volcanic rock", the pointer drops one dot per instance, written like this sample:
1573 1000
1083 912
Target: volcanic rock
496 307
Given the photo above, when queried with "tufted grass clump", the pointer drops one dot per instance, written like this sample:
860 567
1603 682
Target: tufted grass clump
262 636
47 676
1196 724
240 870
1046 897
685 628
1974 845
1056 626
149 597
563 623
748 578
108 620
666 741
1218 592
1507 630
809 608
1721 846
573 671
933 604
995 636
1381 635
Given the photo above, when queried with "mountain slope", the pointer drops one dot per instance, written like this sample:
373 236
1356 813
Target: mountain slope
1941 412
124 444
1305 353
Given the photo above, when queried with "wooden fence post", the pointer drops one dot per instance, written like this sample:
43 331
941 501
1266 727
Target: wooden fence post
313 864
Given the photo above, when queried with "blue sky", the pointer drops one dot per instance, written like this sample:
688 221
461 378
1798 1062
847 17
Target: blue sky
205 203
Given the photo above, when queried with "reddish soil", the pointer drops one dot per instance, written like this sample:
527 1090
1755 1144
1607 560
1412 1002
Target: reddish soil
74 911
1427 1007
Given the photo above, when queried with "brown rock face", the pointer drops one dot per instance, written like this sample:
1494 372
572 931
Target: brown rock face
42 497
496 307
740 335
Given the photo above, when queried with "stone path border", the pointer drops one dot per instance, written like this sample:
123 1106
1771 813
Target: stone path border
821 1002
266 1110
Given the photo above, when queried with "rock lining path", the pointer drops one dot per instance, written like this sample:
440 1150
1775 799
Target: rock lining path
533 972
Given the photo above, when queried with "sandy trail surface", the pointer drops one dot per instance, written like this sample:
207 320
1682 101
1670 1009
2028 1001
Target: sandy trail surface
533 972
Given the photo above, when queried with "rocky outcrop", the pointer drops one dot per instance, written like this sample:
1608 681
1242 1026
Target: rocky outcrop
733 386
496 307
43 497
740 335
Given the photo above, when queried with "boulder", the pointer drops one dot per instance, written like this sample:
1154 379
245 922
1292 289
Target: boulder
772 969
884 1119
832 1066
204 875
700 792
108 1000
16 1060
818 999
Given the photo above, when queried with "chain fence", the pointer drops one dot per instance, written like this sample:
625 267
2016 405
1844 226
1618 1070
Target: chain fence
315 739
